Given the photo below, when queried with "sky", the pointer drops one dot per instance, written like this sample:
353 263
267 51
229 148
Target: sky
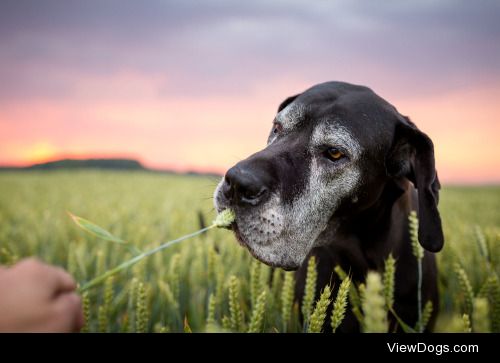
194 85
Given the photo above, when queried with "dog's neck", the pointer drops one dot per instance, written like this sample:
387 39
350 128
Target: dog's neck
372 230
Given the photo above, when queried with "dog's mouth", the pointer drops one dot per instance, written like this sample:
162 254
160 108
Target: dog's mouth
237 233
244 243
260 231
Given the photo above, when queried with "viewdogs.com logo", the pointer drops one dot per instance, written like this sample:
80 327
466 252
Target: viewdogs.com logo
437 349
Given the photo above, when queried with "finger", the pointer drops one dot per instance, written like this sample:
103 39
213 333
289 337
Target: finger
65 281
55 276
68 314
27 263
59 280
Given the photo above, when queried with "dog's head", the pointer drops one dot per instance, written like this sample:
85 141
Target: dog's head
330 153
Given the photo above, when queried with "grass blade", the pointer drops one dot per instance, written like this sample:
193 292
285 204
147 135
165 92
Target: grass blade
94 229
98 280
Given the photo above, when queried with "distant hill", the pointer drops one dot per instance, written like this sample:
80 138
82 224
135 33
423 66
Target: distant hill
88 163
109 164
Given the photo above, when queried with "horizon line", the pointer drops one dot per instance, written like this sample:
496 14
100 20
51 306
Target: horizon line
168 167
182 169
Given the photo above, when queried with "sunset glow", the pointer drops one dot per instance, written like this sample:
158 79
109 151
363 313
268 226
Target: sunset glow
200 92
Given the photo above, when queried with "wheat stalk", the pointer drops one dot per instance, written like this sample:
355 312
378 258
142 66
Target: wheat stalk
340 304
467 327
418 252
426 316
354 297
482 244
495 303
235 312
480 319
255 281
309 290
373 302
287 295
174 275
223 220
319 314
105 308
86 312
142 315
258 314
226 323
277 282
211 310
389 272
131 305
211 264
466 288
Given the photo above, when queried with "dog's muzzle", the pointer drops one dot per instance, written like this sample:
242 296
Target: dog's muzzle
246 185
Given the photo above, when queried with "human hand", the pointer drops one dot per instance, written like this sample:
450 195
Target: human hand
36 297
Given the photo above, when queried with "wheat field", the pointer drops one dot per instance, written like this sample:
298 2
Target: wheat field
210 283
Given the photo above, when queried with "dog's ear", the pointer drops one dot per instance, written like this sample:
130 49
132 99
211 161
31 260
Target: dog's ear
412 156
287 102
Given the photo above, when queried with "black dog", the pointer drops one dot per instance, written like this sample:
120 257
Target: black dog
338 178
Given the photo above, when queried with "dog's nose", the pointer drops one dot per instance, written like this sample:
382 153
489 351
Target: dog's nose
243 187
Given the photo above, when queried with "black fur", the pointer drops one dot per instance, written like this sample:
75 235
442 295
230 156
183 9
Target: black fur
397 176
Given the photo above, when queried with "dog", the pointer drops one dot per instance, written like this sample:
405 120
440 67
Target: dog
339 176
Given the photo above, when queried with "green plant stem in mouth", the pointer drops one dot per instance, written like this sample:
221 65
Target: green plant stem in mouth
137 258
223 220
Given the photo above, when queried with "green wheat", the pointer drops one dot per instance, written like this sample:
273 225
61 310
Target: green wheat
142 314
287 295
236 313
255 281
373 302
319 314
340 304
418 252
480 320
467 326
310 289
466 288
86 312
389 272
426 316
258 314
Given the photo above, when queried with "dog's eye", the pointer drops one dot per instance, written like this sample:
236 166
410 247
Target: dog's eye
334 154
277 127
